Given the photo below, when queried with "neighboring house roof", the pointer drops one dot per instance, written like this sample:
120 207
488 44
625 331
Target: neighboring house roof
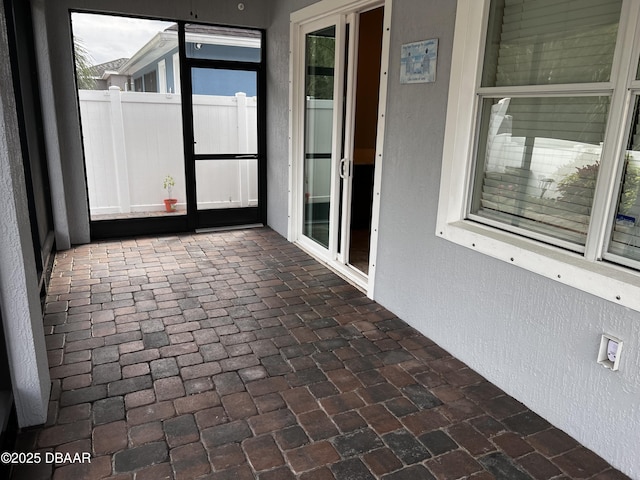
114 66
165 41
161 44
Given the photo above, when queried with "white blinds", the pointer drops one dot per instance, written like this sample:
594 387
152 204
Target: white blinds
625 239
541 42
539 160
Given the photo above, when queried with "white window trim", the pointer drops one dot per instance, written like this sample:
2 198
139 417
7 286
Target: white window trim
162 76
176 74
585 272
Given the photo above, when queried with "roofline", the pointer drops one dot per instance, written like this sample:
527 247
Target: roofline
152 44
171 35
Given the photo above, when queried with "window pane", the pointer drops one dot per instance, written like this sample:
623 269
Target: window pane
150 82
223 43
225 111
132 140
538 162
319 82
625 239
542 42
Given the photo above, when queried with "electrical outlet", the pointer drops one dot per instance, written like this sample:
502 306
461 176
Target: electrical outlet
610 349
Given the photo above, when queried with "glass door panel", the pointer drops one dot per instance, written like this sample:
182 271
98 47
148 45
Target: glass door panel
225 132
320 56
225 119
226 78
226 184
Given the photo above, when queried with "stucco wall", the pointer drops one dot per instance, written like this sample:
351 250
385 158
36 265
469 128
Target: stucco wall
278 112
19 300
536 339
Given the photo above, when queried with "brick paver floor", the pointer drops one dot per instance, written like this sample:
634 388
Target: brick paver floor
236 356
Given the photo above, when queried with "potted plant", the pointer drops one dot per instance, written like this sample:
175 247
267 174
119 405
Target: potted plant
169 202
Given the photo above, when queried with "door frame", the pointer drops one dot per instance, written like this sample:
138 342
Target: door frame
299 23
228 217
193 219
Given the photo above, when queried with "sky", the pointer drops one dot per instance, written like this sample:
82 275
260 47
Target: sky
108 38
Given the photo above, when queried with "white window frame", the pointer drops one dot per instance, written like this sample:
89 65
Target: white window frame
583 270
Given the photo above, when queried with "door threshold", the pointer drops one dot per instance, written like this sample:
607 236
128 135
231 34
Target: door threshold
347 272
352 275
229 228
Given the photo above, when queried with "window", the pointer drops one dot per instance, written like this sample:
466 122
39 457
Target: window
625 238
151 82
541 163
537 164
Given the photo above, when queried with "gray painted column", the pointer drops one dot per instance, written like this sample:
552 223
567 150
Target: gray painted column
19 299
52 146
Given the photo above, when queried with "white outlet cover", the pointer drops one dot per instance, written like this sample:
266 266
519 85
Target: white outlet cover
610 349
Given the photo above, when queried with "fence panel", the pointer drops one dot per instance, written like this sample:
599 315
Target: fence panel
132 140
98 151
154 147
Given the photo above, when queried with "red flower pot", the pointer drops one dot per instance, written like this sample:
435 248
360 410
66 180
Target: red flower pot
170 204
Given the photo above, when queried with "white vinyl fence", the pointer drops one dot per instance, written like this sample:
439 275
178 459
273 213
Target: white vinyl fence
132 140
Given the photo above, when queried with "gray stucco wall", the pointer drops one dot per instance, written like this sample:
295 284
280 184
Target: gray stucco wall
19 299
278 116
278 112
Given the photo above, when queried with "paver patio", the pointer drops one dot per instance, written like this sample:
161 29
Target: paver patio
235 355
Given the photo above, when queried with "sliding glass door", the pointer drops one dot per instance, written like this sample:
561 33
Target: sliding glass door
336 88
328 138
